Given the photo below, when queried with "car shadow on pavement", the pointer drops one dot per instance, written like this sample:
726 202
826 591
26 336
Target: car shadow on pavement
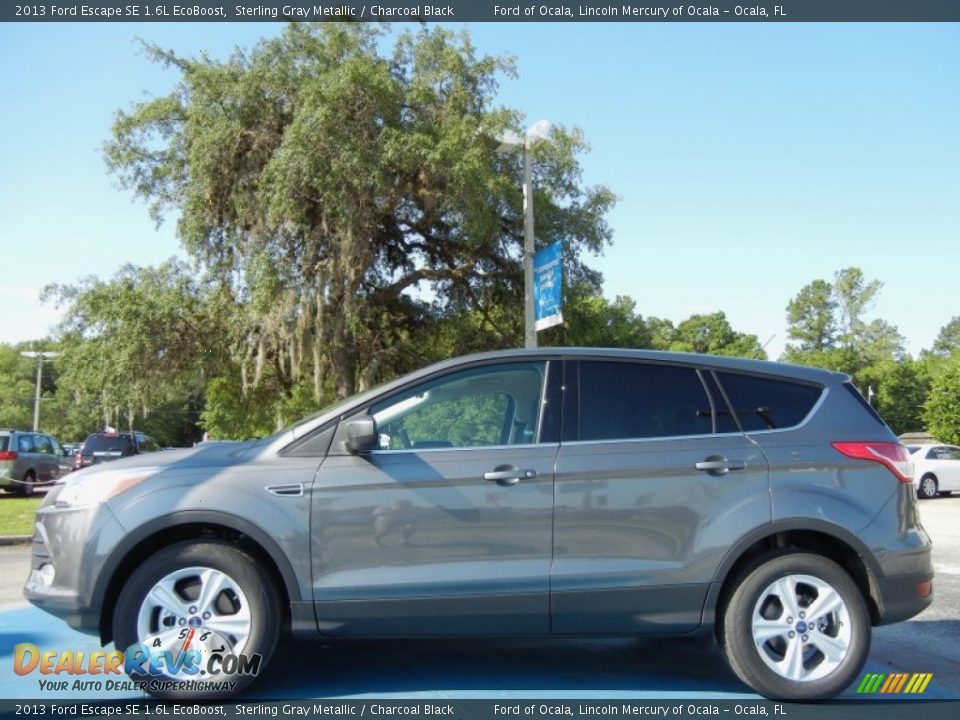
484 668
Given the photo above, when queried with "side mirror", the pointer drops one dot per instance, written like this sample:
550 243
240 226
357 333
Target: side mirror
360 434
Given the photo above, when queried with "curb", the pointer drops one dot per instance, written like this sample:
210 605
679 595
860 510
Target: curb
15 540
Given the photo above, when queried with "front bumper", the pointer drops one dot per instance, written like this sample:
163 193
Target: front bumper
75 543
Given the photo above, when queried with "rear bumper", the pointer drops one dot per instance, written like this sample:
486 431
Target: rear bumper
903 596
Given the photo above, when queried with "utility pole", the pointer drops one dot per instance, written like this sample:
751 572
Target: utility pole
40 357
509 141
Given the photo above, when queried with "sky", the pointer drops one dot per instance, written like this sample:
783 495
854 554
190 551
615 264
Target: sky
749 159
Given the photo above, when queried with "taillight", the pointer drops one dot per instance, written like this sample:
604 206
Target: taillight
893 455
78 460
8 455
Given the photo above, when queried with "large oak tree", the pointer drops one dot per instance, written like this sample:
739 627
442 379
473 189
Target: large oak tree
344 196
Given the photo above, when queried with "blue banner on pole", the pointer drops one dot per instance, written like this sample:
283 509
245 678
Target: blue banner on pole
548 286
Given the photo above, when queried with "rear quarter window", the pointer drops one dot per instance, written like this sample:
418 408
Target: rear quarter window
4 442
763 403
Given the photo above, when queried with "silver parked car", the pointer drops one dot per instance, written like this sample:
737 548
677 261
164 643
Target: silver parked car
29 459
545 492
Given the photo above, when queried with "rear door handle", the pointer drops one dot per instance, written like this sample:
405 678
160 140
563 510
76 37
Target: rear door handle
509 474
717 465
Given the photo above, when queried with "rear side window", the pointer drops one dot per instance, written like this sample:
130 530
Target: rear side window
768 403
25 443
623 400
944 453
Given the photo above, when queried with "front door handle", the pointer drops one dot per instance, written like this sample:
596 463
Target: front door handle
718 465
508 474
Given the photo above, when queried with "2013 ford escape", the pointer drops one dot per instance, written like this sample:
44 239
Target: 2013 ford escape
549 492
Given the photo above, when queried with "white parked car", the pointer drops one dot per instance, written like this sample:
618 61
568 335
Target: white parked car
936 469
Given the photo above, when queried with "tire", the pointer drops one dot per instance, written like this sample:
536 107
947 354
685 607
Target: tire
927 487
27 487
248 599
755 626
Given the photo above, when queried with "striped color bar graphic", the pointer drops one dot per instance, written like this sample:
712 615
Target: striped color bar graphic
912 683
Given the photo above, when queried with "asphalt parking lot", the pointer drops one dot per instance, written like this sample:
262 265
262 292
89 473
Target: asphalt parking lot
588 669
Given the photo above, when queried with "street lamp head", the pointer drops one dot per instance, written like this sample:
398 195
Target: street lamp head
47 355
510 140
540 130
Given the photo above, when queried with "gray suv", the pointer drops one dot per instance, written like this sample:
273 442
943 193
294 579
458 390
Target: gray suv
29 459
548 492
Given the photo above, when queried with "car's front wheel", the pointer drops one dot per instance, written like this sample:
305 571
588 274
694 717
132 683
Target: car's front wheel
795 627
205 598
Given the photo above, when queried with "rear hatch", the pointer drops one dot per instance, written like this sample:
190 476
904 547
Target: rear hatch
104 448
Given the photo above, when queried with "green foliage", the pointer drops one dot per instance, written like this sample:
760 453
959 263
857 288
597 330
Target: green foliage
902 388
948 339
18 380
942 409
325 184
141 341
590 320
231 414
811 318
828 326
713 334
827 323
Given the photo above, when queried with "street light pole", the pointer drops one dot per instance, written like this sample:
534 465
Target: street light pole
529 330
40 356
508 141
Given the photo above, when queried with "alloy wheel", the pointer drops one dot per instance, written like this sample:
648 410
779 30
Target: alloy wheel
801 628
197 597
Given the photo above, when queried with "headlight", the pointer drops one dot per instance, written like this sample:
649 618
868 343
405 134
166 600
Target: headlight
97 487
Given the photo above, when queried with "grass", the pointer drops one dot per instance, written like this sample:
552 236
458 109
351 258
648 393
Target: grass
16 514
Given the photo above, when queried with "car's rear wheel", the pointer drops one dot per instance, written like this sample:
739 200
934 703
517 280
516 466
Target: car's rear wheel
795 627
928 487
215 590
28 487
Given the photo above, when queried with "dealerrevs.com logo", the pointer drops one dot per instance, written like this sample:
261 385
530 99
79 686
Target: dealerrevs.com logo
179 660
